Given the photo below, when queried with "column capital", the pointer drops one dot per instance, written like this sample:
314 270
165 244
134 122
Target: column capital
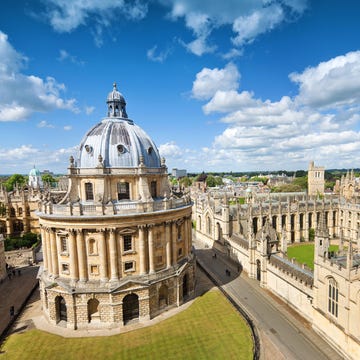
79 231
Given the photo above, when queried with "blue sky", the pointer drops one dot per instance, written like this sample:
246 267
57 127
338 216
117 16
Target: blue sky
232 85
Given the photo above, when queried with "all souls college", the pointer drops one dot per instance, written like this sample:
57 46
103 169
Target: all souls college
117 242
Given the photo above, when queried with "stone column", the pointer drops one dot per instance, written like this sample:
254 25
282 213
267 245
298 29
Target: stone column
174 243
48 251
113 256
186 237
44 249
168 243
142 259
151 248
74 272
81 252
54 253
103 256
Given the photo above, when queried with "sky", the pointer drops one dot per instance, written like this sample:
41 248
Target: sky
231 85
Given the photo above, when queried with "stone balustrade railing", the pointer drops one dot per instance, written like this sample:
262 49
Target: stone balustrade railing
118 208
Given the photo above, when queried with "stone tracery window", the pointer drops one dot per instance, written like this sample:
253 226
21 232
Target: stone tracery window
63 244
333 297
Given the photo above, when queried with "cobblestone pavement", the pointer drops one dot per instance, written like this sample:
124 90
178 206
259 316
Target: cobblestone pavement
14 291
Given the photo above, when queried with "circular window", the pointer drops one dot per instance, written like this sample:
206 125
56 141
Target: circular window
121 148
88 149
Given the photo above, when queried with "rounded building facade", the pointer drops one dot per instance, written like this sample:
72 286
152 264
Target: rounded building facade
117 247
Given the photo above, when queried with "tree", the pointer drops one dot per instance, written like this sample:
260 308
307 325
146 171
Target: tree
185 181
302 182
48 179
14 179
212 181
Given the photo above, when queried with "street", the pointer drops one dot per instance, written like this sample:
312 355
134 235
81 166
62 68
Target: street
291 335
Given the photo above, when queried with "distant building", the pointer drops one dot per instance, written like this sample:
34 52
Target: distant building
35 180
316 179
177 173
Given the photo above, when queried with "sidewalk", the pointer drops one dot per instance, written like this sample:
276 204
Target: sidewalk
14 291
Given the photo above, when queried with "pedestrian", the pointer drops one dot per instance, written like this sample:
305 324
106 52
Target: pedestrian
14 272
19 272
9 276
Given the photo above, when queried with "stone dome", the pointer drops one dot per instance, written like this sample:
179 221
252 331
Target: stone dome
116 141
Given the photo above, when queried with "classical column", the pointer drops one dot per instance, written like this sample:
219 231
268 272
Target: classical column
103 257
81 252
74 273
48 251
168 243
44 249
174 242
142 268
151 248
54 253
113 255
186 236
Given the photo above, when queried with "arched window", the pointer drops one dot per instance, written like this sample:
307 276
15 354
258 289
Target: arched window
333 297
179 232
12 211
20 210
89 192
123 190
208 225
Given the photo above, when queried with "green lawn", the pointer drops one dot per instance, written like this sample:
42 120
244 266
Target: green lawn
209 329
304 253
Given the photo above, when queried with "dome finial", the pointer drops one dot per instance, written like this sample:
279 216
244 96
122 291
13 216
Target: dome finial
114 86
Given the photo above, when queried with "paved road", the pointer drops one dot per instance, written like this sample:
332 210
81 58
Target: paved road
14 291
291 335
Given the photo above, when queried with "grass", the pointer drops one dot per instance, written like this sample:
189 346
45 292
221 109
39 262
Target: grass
209 329
304 253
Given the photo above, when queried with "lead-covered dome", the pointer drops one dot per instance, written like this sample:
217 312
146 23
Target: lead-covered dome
118 141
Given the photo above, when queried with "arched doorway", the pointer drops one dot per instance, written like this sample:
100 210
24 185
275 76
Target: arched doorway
130 308
163 296
185 286
93 310
61 311
258 270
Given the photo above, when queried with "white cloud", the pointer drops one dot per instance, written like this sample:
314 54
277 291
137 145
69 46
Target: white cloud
158 56
44 124
248 27
248 19
65 56
66 16
332 83
89 110
17 160
21 95
209 81
319 123
67 127
170 150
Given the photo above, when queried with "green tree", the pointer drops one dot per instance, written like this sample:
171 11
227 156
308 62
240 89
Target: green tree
185 181
48 179
14 179
212 181
302 182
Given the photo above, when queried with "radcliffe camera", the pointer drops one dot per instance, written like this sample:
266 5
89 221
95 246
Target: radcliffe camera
179 180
